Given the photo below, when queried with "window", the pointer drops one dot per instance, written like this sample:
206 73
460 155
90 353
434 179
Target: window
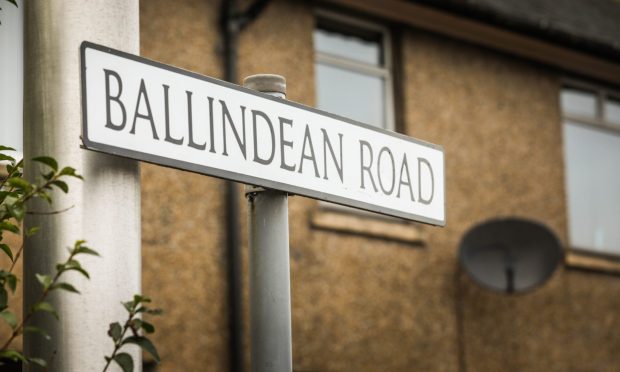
353 70
353 78
591 118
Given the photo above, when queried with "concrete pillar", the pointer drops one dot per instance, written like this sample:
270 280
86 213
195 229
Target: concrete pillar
106 206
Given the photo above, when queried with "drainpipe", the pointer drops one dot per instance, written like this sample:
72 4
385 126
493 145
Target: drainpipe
232 22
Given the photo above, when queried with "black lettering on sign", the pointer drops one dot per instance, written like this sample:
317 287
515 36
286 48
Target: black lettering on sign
404 170
117 99
226 115
312 157
258 159
285 143
169 137
149 114
430 170
190 129
386 191
212 136
327 144
366 168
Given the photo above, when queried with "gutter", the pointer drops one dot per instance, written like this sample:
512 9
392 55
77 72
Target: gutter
478 33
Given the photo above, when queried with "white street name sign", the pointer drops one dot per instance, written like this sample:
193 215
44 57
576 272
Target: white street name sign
145 110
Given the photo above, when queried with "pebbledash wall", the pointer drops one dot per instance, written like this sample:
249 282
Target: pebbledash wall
363 302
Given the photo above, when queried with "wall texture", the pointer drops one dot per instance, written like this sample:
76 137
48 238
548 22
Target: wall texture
184 258
366 304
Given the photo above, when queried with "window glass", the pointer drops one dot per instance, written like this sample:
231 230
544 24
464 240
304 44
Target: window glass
348 46
612 111
578 102
350 94
352 75
593 187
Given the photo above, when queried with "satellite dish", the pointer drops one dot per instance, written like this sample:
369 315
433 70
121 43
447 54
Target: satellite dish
510 255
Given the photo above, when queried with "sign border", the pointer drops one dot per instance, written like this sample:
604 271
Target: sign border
234 176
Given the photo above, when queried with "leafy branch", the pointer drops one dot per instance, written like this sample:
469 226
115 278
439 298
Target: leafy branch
135 325
48 284
15 193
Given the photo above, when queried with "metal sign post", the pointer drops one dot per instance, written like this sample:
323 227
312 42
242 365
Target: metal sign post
270 288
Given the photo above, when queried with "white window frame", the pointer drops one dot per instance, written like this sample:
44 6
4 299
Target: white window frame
384 71
601 94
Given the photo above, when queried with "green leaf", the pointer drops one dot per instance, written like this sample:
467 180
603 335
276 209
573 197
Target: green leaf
19 183
38 361
12 355
81 271
45 196
49 161
48 176
129 305
6 194
139 298
12 198
33 230
9 227
5 248
68 171
6 157
66 286
115 331
14 2
37 330
61 185
12 282
4 297
154 311
147 327
45 280
125 361
6 148
144 343
9 318
86 250
136 324
16 210
72 265
46 307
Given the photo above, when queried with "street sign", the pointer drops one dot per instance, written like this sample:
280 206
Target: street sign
145 110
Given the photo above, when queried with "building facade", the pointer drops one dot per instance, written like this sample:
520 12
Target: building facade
371 293
525 99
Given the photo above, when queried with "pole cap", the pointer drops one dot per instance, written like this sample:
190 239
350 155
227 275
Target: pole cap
266 83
